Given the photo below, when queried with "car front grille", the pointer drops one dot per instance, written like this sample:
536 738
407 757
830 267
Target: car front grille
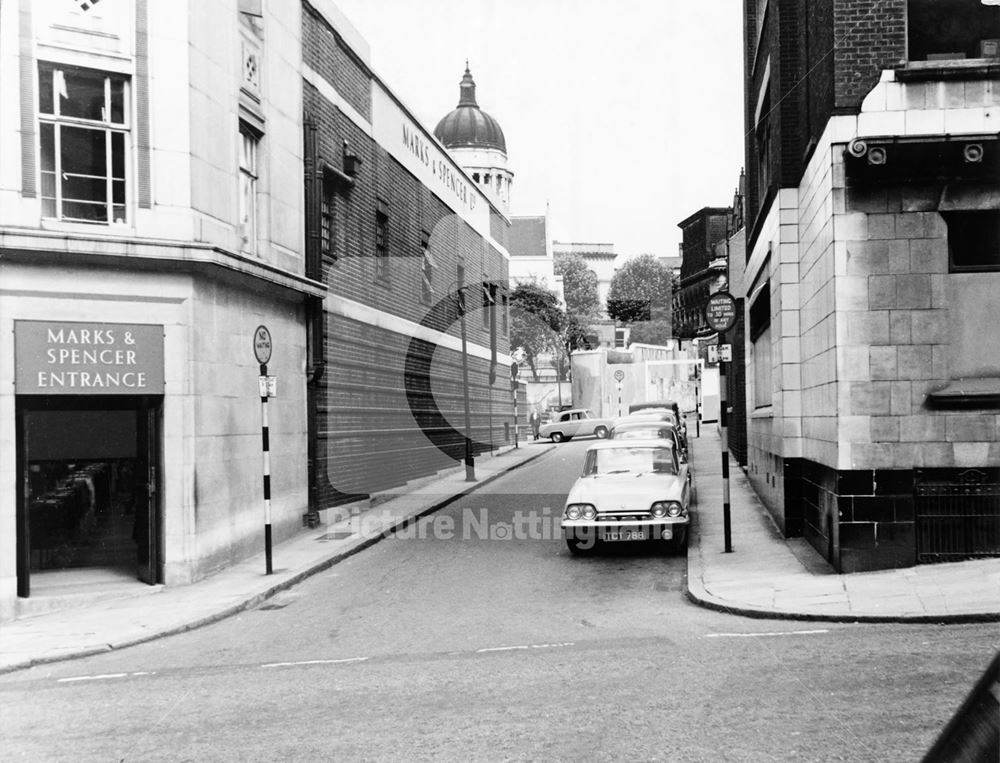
623 516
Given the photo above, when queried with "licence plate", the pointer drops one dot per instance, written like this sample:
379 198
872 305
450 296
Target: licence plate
612 535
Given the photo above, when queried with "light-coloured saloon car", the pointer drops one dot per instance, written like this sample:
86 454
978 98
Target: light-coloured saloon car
630 490
631 429
575 421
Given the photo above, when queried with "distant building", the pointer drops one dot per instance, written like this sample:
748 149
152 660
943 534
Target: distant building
733 250
703 270
478 144
674 263
600 258
531 256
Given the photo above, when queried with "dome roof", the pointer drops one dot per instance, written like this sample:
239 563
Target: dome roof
468 126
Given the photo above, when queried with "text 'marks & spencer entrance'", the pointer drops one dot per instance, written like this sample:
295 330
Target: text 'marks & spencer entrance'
88 404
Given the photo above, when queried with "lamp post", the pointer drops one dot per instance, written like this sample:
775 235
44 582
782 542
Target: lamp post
470 461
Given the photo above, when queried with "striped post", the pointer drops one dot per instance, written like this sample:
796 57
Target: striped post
266 441
724 438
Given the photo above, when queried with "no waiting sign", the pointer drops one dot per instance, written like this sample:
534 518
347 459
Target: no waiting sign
720 311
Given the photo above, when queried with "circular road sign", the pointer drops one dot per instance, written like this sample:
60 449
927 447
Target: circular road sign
262 344
619 375
720 311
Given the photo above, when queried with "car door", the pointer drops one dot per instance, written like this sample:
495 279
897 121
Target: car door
574 424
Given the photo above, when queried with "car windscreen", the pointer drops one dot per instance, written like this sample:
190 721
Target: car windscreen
637 460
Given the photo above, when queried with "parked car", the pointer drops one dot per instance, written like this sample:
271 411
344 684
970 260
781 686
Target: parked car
630 490
663 413
656 405
630 428
576 421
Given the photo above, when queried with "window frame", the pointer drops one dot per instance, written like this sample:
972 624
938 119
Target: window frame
975 18
759 333
987 231
118 159
248 196
427 269
489 303
381 241
328 220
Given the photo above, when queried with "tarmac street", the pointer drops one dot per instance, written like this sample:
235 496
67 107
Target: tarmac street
472 633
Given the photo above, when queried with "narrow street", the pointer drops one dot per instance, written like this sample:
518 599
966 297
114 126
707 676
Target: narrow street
460 640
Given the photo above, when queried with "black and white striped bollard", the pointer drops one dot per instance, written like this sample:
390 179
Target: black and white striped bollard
266 441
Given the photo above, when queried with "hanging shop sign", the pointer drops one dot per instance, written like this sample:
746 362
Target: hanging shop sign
87 358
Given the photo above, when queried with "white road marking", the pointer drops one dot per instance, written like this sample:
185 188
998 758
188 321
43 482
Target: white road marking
312 662
100 677
523 646
764 633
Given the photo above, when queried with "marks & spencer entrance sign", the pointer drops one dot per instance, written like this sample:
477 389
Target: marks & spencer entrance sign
88 358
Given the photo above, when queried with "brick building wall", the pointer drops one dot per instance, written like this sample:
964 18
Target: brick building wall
389 406
700 234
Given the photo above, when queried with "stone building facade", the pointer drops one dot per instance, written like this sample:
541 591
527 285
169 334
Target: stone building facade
150 221
872 276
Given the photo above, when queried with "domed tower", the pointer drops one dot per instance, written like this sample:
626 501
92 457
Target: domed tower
475 140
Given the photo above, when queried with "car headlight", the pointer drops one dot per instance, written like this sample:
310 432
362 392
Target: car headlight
578 510
667 509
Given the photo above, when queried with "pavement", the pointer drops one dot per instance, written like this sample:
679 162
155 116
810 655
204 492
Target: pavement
765 575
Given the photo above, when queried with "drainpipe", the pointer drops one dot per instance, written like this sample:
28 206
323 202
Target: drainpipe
315 323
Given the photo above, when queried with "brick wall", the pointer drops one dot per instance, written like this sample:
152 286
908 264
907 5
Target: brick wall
869 37
825 57
324 50
390 407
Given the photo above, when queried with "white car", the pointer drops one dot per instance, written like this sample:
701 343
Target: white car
576 421
630 490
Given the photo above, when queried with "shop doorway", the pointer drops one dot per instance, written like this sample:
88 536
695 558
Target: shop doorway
88 496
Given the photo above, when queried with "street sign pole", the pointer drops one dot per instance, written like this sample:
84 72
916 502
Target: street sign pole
513 391
262 351
266 442
724 438
619 378
720 313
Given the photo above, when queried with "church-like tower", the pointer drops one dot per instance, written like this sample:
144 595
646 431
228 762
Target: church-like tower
476 141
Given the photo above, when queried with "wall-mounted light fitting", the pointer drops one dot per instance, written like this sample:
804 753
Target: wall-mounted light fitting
972 153
877 155
352 162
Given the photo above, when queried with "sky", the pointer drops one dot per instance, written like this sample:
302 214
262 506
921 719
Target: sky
624 116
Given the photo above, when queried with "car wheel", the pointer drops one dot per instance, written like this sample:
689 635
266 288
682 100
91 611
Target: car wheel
601 432
556 437
579 547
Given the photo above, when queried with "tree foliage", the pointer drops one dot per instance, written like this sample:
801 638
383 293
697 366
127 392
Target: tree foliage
579 287
641 291
536 322
651 332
